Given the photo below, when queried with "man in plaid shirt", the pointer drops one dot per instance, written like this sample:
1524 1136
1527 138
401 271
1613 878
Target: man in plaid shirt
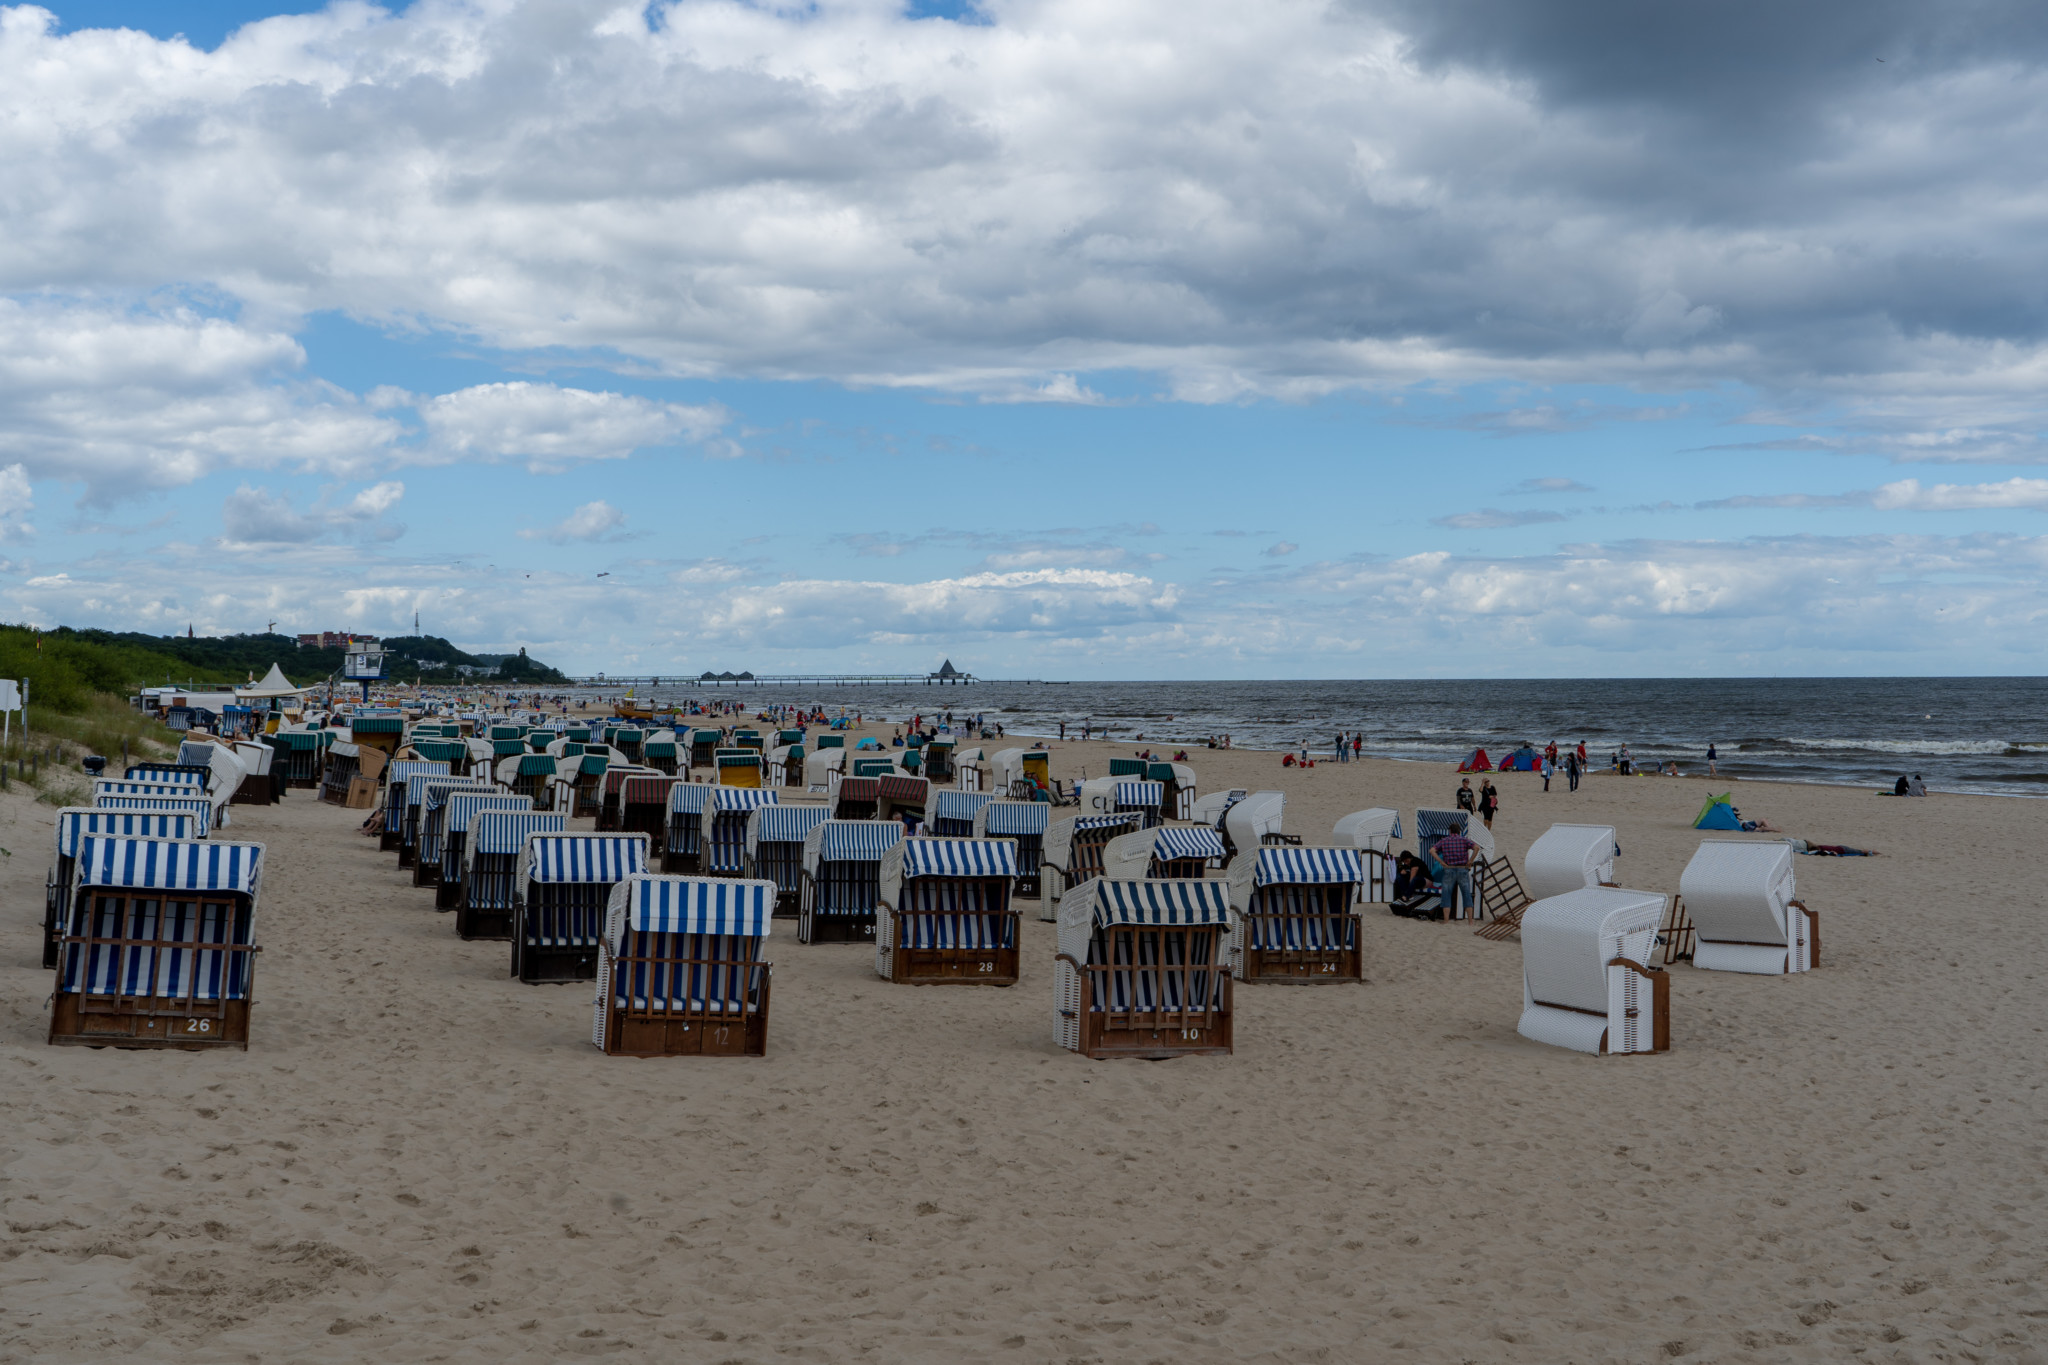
1455 851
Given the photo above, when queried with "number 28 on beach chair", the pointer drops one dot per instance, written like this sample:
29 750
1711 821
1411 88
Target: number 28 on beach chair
1586 979
1294 915
1141 969
564 882
944 912
681 971
159 946
1739 898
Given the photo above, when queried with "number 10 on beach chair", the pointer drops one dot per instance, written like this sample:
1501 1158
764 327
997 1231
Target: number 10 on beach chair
681 970
1141 969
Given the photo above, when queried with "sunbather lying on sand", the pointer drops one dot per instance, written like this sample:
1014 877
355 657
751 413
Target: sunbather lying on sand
1830 850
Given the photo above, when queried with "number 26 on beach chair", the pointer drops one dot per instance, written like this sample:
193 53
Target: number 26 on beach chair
159 948
1141 969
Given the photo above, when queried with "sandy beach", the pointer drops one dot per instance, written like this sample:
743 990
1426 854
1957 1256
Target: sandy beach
419 1159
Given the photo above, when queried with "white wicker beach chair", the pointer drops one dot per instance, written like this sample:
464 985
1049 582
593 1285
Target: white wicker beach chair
1170 851
1568 857
1586 979
1071 853
1739 897
1373 832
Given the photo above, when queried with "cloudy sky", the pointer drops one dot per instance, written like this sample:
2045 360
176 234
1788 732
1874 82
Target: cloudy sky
1068 339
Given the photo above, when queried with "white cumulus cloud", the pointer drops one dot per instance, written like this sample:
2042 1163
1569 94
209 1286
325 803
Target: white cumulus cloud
592 521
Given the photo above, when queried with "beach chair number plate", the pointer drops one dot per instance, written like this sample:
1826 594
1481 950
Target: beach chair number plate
199 1026
988 966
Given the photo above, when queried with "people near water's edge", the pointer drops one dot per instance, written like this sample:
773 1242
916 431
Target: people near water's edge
1549 765
1713 754
1489 801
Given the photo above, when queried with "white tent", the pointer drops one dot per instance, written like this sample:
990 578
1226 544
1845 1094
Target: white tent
274 684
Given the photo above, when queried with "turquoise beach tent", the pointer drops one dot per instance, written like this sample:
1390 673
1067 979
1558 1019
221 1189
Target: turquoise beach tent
1718 813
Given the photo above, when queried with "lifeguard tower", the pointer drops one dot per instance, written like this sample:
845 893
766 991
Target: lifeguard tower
364 663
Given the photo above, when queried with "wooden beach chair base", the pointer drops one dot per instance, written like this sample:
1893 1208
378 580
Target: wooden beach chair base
548 964
474 922
813 927
1676 937
447 895
1303 967
947 966
149 1022
659 1034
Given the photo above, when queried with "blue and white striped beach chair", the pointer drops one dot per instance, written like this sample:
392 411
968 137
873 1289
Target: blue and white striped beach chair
1142 969
432 822
953 812
198 807
842 879
1023 823
392 831
725 841
159 944
489 894
1294 915
681 971
74 823
1073 854
462 810
1174 852
683 851
775 850
943 912
563 882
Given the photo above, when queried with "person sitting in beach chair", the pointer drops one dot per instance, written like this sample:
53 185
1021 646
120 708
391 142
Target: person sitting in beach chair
1415 891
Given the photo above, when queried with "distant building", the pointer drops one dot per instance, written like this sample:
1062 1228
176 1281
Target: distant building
947 671
325 639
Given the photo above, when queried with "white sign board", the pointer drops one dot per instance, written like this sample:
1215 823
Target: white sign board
10 695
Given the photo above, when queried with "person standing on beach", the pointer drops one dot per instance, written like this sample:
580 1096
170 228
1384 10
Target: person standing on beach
1466 801
1454 851
1581 751
1571 769
1489 801
1063 732
1357 741
1712 754
1549 766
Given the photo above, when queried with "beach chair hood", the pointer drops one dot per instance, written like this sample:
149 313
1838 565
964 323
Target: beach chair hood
555 858
779 824
497 833
1128 857
1059 834
1012 819
836 841
1376 828
1568 857
908 858
1739 895
1291 865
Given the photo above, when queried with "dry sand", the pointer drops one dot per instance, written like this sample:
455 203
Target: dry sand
419 1159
